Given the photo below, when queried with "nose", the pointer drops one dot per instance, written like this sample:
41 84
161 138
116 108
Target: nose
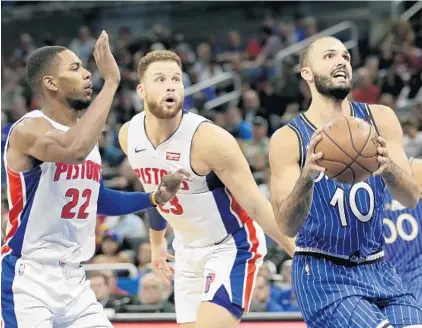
171 89
87 74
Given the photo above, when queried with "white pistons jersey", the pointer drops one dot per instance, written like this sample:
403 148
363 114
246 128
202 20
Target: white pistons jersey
203 212
53 208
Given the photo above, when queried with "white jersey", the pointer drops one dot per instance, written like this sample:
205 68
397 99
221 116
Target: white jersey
203 212
53 208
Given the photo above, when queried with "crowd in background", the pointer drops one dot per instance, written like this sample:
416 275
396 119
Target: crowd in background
390 75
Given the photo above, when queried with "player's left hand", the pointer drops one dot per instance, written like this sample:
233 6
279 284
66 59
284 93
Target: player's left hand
383 157
160 266
170 185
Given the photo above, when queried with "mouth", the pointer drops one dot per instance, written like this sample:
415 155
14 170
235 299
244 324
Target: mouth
88 88
340 75
170 100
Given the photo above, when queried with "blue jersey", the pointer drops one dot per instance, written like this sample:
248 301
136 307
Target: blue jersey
403 238
344 219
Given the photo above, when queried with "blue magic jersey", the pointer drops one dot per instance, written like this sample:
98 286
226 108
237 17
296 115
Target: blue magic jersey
344 219
403 238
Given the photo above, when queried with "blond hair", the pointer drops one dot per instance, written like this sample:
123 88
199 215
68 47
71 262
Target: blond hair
156 56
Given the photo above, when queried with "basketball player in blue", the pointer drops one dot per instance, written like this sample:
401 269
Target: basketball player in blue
339 276
403 239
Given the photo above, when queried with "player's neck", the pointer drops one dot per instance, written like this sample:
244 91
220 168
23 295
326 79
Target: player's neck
323 110
60 113
159 130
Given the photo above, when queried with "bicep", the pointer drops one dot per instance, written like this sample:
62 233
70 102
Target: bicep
284 165
40 140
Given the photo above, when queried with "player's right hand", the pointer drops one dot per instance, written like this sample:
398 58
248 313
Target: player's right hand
311 169
105 60
160 266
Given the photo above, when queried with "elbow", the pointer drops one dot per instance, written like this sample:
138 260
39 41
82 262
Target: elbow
414 199
79 152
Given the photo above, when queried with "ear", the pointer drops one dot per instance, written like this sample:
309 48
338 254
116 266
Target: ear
49 82
306 74
140 90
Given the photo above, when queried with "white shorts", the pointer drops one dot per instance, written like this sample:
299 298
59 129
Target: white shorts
224 273
41 296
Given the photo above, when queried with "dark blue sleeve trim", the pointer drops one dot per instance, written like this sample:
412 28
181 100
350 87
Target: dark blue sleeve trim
113 202
156 221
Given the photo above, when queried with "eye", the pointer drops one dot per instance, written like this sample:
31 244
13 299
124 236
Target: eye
159 79
329 56
346 57
176 79
75 69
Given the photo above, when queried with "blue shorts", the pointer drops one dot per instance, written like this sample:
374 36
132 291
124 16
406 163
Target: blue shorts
412 279
363 296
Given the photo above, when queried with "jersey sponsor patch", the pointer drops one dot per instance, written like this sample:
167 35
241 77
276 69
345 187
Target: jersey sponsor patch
171 156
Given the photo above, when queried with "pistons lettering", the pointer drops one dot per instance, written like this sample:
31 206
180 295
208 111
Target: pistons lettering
153 175
88 170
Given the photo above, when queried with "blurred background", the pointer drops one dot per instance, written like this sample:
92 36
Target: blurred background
240 64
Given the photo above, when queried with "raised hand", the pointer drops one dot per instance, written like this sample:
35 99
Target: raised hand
311 169
105 60
170 185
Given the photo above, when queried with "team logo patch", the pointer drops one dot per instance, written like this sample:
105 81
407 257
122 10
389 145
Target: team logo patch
172 156
209 281
21 269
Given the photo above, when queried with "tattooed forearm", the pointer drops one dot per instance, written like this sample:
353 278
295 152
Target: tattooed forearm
295 208
401 184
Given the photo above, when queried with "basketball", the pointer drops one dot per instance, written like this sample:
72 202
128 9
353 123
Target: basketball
349 148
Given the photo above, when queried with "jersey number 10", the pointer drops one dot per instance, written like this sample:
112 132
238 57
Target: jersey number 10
338 200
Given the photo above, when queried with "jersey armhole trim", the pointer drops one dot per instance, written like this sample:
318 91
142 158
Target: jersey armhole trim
371 117
190 151
300 141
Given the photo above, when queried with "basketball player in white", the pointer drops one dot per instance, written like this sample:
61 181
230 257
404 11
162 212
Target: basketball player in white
219 248
55 189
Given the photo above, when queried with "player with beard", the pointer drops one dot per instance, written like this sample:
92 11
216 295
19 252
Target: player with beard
216 216
55 190
339 276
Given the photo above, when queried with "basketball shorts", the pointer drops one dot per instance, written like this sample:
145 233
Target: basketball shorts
223 273
413 280
44 296
363 296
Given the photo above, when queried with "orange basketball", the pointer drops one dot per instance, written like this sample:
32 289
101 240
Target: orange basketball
349 148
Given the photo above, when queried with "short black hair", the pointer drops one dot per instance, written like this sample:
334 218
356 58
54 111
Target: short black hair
39 63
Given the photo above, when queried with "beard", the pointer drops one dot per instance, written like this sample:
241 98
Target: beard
159 112
78 104
326 88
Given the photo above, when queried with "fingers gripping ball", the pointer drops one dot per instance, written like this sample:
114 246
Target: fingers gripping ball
349 148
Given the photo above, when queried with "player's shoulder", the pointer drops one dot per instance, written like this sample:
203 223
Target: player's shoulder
123 135
210 133
385 118
29 128
285 138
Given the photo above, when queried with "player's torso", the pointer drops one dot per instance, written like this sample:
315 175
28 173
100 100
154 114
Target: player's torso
403 239
203 212
53 209
344 219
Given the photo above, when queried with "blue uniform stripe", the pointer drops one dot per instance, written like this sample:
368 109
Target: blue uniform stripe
32 180
237 275
222 201
8 266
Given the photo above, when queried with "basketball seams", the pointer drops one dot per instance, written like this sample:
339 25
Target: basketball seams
353 159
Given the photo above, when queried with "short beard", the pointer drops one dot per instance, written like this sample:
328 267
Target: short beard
324 87
78 104
156 110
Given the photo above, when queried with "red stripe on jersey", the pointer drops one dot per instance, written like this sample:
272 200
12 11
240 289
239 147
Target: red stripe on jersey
16 199
251 264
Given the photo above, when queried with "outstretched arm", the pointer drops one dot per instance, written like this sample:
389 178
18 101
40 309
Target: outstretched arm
220 153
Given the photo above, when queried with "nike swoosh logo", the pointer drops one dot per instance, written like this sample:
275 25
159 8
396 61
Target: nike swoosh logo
139 150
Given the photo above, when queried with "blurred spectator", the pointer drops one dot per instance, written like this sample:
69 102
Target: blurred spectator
153 292
143 257
286 273
388 100
127 226
110 249
25 48
264 186
392 83
239 128
100 286
310 26
286 32
83 45
261 301
412 139
365 90
259 142
372 65
205 66
251 106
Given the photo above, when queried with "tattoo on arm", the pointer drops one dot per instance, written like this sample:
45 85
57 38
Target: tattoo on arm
295 208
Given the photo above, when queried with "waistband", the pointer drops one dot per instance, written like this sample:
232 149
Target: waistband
352 260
